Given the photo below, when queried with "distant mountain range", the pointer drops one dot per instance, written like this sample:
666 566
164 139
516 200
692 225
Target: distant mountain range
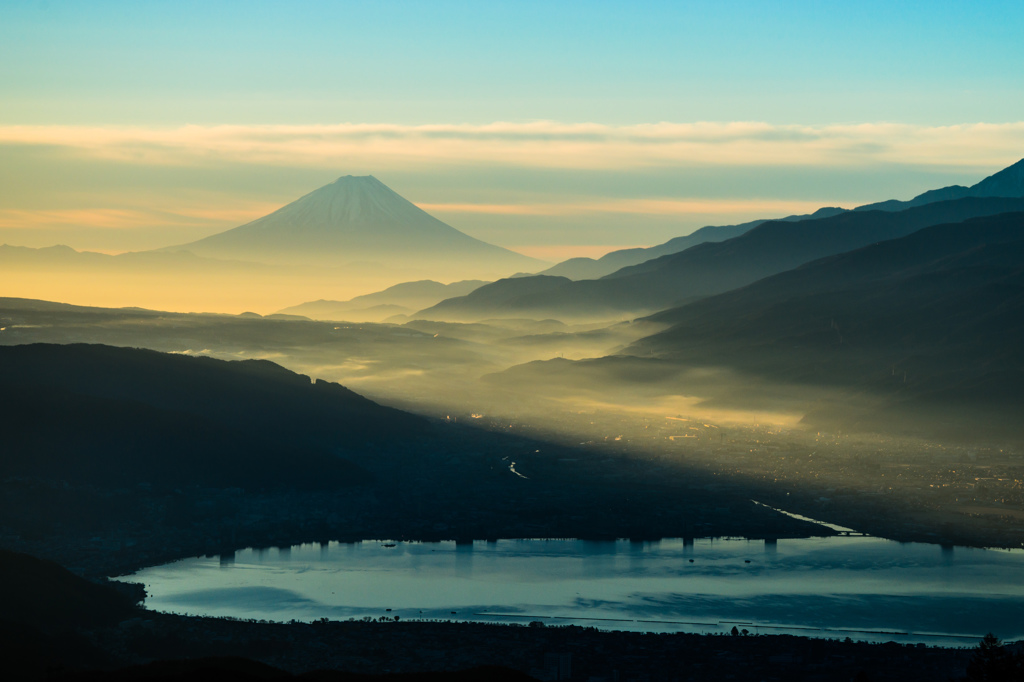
1008 182
356 230
400 299
530 298
65 259
357 221
590 268
709 268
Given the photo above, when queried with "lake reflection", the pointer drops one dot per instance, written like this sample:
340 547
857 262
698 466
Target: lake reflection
861 587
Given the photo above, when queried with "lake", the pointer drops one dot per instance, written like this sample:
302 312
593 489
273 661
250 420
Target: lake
859 587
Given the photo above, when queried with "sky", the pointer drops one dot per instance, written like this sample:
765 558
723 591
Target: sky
554 128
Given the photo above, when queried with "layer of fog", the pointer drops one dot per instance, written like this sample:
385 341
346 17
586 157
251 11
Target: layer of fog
571 385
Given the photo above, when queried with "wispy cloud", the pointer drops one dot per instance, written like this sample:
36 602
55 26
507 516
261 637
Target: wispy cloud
543 144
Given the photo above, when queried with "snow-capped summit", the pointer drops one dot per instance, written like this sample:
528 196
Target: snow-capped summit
350 203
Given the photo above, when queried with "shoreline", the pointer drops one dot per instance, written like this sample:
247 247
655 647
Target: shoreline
783 612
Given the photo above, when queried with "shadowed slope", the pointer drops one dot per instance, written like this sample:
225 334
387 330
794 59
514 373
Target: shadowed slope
932 319
118 416
47 596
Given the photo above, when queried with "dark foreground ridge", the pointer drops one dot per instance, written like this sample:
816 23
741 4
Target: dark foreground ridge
117 417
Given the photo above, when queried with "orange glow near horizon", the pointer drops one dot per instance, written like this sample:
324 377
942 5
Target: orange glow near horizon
127 218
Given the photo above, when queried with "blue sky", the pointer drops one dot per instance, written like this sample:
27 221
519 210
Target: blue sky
811 65
426 62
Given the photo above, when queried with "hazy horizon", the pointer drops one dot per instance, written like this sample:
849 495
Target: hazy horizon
130 127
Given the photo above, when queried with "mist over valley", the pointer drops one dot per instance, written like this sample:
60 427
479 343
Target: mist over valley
880 351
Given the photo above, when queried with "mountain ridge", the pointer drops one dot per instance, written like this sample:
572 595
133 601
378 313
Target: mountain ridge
712 267
1008 182
591 268
926 321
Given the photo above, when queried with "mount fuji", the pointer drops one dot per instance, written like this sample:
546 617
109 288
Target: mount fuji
358 221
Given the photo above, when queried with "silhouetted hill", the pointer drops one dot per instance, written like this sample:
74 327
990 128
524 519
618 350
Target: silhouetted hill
43 595
1008 182
357 220
119 416
709 268
406 297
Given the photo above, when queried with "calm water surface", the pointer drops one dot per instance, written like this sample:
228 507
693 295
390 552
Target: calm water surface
860 587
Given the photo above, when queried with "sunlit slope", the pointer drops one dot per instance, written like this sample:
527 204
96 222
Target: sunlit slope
117 416
934 320
358 220
709 268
